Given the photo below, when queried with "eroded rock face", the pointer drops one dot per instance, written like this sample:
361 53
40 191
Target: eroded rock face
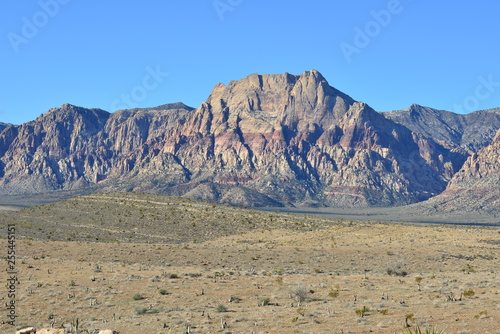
262 140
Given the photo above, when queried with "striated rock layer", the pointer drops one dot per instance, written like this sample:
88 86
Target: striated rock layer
263 140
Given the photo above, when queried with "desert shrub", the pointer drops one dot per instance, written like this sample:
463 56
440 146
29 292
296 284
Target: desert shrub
194 275
299 293
234 299
418 330
174 276
221 308
265 301
469 293
362 311
333 293
482 313
397 269
468 269
163 292
137 296
141 310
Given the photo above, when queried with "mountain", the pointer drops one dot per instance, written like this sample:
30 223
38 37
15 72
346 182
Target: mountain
264 140
298 140
52 151
474 189
471 132
72 147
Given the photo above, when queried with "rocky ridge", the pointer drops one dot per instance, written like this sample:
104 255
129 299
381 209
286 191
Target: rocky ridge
470 132
277 139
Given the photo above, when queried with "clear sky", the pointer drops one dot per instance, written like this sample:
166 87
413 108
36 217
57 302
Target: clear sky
118 54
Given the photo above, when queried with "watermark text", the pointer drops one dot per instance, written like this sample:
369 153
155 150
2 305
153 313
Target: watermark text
12 280
363 36
139 93
484 90
31 26
224 6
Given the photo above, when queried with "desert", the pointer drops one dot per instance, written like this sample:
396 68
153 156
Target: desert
185 266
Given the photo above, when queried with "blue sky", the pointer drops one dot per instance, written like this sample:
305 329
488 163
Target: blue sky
117 54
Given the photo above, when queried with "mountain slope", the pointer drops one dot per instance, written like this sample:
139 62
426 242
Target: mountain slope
51 151
471 132
474 189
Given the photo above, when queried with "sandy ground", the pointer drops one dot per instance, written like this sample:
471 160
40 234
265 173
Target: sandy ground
329 281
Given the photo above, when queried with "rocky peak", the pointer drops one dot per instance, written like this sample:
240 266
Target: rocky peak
285 99
163 107
312 137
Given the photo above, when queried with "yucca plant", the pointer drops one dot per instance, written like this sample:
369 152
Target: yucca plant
418 330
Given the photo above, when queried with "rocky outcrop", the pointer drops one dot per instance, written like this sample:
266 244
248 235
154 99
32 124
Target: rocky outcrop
51 331
470 132
26 330
277 139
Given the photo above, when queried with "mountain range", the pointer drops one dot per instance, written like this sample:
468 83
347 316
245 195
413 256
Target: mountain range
264 140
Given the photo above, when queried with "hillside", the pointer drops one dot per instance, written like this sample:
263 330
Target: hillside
147 218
